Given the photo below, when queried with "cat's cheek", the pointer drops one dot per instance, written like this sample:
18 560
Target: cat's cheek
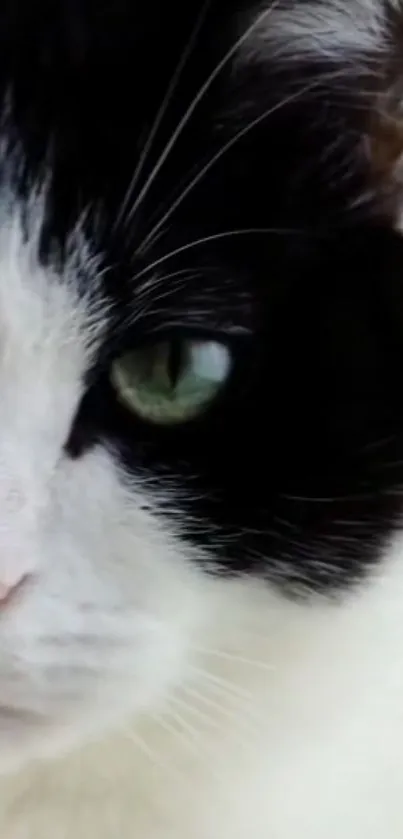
107 625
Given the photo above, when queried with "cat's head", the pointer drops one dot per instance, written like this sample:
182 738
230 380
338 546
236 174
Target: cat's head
200 332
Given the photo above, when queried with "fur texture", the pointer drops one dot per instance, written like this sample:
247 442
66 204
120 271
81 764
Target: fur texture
208 639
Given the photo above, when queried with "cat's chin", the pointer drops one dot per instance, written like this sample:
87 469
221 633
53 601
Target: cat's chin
29 737
23 739
26 740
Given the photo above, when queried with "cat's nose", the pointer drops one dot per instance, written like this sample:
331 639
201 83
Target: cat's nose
8 592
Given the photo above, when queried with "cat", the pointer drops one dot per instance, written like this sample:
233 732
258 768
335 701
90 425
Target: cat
201 419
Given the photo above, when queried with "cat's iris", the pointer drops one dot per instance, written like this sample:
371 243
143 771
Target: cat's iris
171 381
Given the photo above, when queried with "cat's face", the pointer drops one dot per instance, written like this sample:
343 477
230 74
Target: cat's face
200 337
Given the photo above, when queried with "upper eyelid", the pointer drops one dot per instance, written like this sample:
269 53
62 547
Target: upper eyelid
127 342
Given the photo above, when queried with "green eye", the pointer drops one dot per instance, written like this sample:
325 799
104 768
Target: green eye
172 381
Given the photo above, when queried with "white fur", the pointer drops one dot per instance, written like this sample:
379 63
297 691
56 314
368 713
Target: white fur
288 725
139 697
327 29
105 605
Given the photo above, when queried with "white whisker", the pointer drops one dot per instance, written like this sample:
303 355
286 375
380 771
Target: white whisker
236 712
193 105
242 727
150 293
221 685
188 708
205 240
227 146
154 757
154 283
192 743
162 111
203 716
177 731
234 657
193 732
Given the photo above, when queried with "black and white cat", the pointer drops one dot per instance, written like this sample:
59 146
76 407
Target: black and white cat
201 419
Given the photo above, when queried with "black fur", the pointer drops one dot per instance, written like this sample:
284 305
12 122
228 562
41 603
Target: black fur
295 472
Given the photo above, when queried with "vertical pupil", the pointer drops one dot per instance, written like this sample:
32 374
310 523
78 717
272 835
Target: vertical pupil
176 358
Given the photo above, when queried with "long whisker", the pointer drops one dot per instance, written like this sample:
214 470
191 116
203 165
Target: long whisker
145 301
153 757
155 282
202 716
193 732
221 685
232 713
224 149
235 658
244 736
186 733
205 240
210 719
152 291
193 105
158 236
177 731
162 111
367 95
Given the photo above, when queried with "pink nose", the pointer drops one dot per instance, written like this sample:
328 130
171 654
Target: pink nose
7 592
